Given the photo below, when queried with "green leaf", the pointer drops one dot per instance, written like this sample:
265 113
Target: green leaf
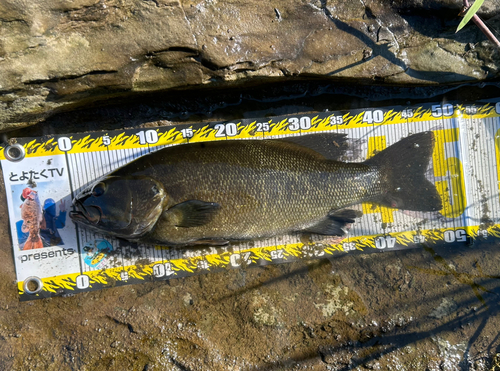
470 13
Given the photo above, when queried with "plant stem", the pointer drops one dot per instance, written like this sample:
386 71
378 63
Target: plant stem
484 29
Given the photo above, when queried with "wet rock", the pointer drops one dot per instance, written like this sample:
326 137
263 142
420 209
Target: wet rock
61 55
336 300
264 312
451 354
446 307
338 358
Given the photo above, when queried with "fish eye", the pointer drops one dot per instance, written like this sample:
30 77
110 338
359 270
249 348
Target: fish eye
99 189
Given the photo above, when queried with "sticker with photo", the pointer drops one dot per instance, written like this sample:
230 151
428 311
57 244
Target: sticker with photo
96 253
40 217
39 198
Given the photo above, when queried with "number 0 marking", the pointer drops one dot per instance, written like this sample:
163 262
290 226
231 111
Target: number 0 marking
82 281
64 144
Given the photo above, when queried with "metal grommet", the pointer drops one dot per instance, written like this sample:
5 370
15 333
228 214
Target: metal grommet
14 152
32 285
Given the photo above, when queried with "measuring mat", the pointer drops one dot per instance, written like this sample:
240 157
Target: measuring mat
53 256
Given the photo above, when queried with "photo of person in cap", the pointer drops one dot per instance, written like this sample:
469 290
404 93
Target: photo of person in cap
52 222
43 221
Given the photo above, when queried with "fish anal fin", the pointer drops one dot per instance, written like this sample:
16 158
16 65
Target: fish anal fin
347 215
337 223
211 242
192 213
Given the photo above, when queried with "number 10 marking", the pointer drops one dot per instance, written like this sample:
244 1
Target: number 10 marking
148 137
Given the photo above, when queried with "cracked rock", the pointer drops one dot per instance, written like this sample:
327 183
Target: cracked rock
60 55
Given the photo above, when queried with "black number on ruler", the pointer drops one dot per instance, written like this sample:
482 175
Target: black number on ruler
304 123
148 137
376 116
223 130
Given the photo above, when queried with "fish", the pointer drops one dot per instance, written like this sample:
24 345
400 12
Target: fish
31 214
222 191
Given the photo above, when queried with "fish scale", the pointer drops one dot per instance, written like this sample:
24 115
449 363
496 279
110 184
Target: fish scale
265 188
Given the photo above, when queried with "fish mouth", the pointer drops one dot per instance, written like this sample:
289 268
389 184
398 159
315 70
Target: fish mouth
89 215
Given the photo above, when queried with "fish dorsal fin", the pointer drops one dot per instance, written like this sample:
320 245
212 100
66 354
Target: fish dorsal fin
192 213
332 146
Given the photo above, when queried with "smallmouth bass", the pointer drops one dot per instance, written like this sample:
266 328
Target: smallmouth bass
215 192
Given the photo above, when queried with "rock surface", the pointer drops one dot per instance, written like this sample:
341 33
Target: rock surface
58 55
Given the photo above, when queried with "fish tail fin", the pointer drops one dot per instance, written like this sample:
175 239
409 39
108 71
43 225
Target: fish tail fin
403 166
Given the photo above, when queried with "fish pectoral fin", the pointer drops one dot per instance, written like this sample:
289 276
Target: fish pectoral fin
192 213
337 223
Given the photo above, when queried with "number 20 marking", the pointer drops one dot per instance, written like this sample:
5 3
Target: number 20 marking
223 130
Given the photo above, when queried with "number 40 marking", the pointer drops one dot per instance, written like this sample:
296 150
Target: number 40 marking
385 241
376 116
